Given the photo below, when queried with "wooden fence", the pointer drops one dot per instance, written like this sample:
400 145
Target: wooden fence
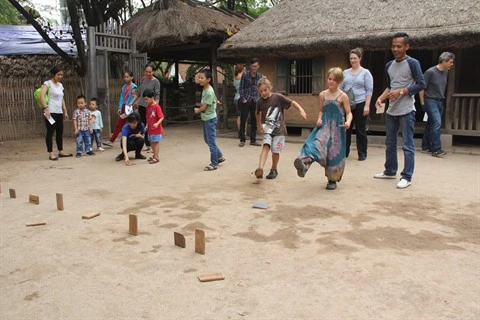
463 117
21 118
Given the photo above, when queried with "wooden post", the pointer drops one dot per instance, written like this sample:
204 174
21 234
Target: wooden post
107 91
133 224
225 104
60 201
453 78
13 193
199 241
213 63
92 64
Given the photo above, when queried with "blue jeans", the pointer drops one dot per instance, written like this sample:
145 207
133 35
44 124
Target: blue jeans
431 137
209 136
84 137
97 136
407 124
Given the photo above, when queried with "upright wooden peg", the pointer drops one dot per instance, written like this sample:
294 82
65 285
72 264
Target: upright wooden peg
179 239
199 241
133 224
60 201
13 194
34 199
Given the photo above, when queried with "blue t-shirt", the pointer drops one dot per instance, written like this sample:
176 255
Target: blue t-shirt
127 131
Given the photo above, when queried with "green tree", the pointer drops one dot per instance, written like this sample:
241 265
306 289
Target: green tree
8 14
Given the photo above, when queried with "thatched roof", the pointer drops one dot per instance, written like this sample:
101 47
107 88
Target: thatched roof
167 24
307 28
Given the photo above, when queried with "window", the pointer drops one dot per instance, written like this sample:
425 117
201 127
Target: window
299 76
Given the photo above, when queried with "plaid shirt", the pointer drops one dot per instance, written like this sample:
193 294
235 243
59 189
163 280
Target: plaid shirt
82 117
248 86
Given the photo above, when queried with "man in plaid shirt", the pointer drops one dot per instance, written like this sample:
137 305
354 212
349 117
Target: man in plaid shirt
248 102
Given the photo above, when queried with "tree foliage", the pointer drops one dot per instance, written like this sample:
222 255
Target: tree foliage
8 14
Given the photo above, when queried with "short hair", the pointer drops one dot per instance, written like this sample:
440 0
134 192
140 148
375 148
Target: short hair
207 73
134 116
81 96
264 82
148 93
55 70
446 56
337 74
406 37
254 60
357 51
94 99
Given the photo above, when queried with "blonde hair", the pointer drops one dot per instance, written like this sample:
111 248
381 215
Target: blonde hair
337 74
265 82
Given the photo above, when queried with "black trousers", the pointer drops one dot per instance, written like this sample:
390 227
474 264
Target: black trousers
134 144
245 109
359 122
57 127
143 117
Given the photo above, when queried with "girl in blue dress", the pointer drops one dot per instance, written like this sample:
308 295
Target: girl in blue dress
326 144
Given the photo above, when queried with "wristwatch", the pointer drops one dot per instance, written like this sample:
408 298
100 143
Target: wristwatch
401 92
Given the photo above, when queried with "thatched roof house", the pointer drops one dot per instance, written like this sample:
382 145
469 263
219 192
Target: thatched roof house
306 28
182 29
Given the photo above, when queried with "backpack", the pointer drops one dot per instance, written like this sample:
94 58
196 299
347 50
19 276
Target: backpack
36 95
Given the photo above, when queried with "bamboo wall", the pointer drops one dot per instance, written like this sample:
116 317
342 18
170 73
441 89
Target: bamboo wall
21 118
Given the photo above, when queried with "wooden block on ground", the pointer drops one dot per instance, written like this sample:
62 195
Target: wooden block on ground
179 240
13 194
133 224
199 241
34 224
34 199
211 277
60 201
90 215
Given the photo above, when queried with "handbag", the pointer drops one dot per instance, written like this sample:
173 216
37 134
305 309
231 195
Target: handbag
351 94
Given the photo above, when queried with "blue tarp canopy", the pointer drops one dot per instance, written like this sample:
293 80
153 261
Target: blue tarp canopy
25 40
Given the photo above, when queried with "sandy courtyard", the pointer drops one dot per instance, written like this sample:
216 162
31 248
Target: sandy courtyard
363 251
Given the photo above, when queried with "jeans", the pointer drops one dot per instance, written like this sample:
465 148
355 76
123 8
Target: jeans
97 136
134 144
245 109
209 136
407 124
57 127
84 137
359 122
431 137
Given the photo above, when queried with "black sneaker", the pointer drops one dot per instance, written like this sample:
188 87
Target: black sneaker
120 157
78 155
301 167
272 175
439 153
140 156
254 143
331 185
91 153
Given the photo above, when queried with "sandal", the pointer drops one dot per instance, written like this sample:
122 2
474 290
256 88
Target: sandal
65 155
53 159
153 161
221 159
210 168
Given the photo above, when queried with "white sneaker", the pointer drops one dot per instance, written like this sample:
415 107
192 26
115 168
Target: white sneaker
403 183
100 149
384 176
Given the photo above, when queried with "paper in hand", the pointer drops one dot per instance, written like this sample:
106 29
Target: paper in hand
381 109
51 120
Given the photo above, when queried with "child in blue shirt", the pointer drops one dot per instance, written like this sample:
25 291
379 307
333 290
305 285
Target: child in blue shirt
97 124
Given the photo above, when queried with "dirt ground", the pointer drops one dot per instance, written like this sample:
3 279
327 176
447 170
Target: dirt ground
364 251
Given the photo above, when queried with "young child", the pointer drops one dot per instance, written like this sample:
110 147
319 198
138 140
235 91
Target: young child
97 124
208 114
270 111
133 137
82 122
326 144
154 117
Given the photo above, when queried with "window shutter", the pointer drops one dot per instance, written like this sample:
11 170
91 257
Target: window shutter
318 74
283 71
